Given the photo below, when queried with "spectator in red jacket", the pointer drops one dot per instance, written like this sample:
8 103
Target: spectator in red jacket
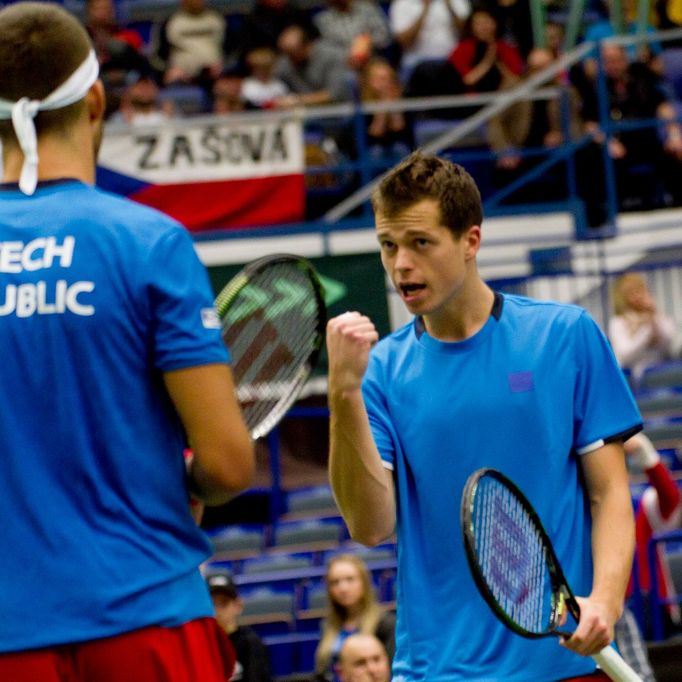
484 62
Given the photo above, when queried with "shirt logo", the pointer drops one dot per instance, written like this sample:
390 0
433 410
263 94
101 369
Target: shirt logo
210 319
520 382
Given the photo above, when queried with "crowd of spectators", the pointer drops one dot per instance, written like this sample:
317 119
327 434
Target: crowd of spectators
280 55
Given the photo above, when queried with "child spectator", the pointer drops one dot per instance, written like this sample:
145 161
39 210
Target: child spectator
261 87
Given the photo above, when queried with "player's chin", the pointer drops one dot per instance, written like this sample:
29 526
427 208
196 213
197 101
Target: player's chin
417 304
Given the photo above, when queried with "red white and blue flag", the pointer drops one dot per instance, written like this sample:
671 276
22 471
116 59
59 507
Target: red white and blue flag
211 173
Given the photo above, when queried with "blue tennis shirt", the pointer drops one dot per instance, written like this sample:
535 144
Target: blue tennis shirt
534 388
98 297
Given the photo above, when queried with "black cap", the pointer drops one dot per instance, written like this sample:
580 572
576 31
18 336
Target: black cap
222 582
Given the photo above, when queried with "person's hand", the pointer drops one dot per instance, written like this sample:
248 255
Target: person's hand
490 56
175 75
214 70
595 629
286 102
349 339
617 149
673 143
360 51
553 139
509 161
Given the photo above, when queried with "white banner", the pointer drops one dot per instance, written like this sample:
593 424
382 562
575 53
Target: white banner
208 149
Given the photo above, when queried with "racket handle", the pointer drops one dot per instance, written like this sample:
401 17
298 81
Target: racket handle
614 666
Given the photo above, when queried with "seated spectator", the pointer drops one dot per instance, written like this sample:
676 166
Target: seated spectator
141 104
352 609
634 94
484 62
311 71
119 50
555 35
639 333
253 662
226 93
426 30
188 48
533 124
647 53
356 29
389 132
261 87
363 658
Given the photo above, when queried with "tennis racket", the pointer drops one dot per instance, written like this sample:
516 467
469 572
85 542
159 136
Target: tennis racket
515 568
273 321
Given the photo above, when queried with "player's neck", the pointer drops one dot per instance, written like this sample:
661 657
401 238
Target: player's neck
464 315
58 158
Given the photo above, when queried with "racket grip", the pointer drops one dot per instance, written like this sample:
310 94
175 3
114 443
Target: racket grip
614 666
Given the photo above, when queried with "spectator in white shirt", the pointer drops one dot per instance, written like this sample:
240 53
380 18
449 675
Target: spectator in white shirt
426 29
639 333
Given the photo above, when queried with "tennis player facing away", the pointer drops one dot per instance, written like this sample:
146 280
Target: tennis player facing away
111 354
477 378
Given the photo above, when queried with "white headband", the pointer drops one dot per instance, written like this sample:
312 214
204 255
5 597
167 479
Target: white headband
22 113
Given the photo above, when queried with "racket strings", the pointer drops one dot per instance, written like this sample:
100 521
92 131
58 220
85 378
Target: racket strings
512 557
272 328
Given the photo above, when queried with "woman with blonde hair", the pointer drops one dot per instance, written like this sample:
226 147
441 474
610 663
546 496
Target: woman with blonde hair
639 333
353 608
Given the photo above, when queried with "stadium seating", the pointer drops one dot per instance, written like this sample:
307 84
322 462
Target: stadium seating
309 535
238 542
664 375
310 502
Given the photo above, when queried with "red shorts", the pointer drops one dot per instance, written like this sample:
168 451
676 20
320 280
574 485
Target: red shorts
188 653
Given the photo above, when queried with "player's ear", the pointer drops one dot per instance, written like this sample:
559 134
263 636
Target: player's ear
472 240
96 101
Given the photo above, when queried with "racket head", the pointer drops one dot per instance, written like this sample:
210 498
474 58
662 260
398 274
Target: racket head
273 320
511 557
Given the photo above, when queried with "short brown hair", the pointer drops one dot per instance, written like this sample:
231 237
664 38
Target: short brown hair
41 46
423 176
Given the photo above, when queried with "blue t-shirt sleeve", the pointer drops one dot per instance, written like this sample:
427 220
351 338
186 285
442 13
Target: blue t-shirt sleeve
605 409
186 328
377 412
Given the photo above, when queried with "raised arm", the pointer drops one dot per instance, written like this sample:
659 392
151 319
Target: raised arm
362 486
223 463
613 542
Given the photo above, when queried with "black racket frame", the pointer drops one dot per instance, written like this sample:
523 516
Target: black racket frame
561 590
230 292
